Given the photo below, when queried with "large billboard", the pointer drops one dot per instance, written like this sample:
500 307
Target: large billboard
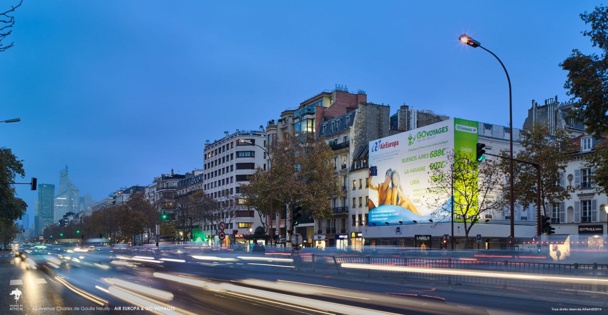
400 170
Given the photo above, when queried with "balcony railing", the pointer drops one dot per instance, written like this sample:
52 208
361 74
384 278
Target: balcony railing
338 146
339 210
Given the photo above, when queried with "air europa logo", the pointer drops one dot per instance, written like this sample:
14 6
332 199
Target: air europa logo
379 145
426 133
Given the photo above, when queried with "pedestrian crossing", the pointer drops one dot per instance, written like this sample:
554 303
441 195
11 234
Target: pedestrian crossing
35 281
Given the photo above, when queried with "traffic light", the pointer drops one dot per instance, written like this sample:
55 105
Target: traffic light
164 216
34 183
546 225
297 215
480 152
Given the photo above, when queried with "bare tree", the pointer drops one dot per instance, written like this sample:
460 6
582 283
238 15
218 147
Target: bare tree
471 187
7 21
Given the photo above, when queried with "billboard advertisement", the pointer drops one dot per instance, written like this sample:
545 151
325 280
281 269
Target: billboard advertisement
400 170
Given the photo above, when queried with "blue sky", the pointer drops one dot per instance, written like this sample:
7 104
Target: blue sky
123 91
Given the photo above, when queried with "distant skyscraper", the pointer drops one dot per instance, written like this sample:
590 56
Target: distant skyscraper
44 207
68 198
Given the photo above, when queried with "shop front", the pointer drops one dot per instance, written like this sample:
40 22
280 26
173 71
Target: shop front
342 241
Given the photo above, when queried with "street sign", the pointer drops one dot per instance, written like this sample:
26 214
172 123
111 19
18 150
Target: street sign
221 226
479 237
222 236
296 239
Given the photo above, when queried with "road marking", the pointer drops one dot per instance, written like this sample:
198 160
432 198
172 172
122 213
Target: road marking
36 281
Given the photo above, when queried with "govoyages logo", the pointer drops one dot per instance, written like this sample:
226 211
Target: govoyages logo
425 133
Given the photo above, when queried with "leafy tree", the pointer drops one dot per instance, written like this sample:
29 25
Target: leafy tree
552 154
473 185
8 232
587 83
7 20
301 173
12 207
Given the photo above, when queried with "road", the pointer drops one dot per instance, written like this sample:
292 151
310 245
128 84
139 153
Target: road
144 283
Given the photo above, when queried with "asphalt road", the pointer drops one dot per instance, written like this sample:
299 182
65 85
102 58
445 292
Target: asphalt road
97 283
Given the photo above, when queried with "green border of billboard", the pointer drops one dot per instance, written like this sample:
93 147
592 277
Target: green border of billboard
466 136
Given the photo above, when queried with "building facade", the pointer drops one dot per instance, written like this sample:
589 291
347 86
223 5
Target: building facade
228 163
583 216
45 206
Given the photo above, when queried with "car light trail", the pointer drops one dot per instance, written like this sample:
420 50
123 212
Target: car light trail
159 294
264 296
270 259
145 303
481 274
84 294
213 258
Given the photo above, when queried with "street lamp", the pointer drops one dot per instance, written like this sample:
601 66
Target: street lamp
14 120
473 43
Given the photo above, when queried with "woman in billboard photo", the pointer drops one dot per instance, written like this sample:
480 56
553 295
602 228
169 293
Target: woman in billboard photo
384 189
398 198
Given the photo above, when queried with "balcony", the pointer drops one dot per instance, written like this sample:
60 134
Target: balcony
337 146
340 210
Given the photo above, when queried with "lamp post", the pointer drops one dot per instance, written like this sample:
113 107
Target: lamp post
14 120
473 43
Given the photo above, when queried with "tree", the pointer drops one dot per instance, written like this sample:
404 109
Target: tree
7 20
8 232
472 187
301 173
12 206
192 209
549 151
587 83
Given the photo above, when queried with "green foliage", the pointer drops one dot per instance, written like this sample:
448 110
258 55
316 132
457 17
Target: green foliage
587 83
552 153
301 173
12 207
475 186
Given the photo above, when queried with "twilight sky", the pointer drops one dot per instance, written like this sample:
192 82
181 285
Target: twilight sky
123 91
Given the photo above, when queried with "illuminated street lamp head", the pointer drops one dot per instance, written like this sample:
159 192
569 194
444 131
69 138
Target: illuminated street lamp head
465 39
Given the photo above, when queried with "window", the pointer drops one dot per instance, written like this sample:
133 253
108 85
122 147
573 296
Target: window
354 202
360 183
245 225
586 181
245 166
354 184
586 211
556 212
360 202
242 154
242 178
354 218
587 143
